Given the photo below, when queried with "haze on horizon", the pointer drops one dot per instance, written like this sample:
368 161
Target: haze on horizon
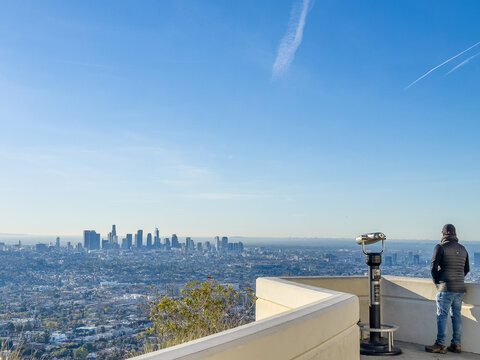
275 119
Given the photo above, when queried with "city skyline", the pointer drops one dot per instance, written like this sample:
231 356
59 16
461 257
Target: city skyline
303 119
105 235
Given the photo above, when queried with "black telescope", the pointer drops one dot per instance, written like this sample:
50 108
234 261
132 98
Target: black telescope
375 344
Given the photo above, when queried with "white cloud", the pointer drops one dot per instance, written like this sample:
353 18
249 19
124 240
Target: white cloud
443 63
292 39
463 63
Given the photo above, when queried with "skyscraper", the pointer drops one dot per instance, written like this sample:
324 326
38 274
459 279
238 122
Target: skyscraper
112 237
175 243
189 244
96 242
149 241
156 239
86 239
166 243
139 239
218 244
91 240
57 242
224 243
129 241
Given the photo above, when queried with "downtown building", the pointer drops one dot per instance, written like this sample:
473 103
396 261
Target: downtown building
91 240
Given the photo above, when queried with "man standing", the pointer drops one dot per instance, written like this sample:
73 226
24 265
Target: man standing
449 267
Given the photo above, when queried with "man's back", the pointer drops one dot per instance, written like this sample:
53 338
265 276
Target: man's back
450 265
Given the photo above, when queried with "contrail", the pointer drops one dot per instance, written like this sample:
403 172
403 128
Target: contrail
445 62
463 63
291 40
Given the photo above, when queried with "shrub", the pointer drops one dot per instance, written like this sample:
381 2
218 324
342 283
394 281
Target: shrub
204 309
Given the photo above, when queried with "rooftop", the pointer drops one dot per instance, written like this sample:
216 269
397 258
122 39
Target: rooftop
316 317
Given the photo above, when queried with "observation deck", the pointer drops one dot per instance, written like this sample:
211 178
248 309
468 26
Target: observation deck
316 318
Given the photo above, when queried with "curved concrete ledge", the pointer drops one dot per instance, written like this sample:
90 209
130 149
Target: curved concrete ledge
316 317
304 322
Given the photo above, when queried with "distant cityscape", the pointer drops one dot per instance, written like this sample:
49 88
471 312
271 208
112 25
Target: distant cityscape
91 241
93 296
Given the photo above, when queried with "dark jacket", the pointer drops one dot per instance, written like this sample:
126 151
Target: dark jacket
449 265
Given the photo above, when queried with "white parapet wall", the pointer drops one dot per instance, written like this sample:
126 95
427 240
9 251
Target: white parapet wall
330 334
410 304
294 321
356 285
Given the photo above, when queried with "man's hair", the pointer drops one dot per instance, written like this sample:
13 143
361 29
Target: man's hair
449 229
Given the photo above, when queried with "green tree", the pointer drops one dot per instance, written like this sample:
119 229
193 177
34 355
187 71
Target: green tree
80 353
205 308
62 352
43 337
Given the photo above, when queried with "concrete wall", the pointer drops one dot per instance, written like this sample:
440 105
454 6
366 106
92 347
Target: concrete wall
298 318
296 321
410 304
356 285
275 296
339 327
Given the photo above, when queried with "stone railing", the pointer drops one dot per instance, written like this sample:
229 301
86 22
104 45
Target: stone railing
410 304
294 321
316 317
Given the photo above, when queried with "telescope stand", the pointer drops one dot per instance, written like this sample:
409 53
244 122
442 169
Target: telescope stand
376 344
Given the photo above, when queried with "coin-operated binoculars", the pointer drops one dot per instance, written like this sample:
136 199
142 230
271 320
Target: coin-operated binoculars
375 344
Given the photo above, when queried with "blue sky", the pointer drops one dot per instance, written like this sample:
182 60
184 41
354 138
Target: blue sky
171 113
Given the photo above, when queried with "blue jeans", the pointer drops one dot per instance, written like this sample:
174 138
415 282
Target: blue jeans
449 302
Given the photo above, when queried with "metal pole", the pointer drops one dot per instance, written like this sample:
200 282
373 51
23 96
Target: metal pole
373 261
